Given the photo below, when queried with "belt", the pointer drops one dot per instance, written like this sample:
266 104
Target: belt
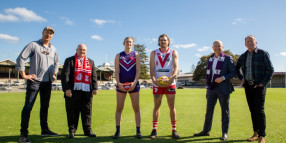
250 82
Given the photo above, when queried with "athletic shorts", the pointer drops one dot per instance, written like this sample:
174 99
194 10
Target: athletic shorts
136 89
164 90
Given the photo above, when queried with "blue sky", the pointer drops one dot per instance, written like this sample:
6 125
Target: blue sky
102 25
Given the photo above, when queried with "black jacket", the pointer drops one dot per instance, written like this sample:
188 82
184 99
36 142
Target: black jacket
67 74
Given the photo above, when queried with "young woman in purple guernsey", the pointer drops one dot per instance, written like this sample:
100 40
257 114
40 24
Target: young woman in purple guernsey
127 70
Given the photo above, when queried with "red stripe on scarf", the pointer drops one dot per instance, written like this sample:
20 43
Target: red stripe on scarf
82 71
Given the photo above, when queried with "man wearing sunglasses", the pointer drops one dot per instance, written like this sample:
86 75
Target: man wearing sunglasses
44 63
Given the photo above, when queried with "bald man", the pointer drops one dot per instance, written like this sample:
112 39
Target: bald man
79 85
220 70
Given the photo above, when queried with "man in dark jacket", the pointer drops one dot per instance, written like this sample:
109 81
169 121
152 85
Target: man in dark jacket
79 84
220 70
257 70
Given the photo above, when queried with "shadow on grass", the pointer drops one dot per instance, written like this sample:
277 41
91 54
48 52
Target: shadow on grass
85 139
206 140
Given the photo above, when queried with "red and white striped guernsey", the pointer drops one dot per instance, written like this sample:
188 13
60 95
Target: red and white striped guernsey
164 63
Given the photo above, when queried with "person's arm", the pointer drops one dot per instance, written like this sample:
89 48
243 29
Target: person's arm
65 78
117 71
93 79
56 65
152 69
175 69
231 71
138 71
27 52
238 70
269 69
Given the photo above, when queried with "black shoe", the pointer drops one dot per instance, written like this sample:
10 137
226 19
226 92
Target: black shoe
202 133
48 132
24 138
153 134
71 135
175 135
116 135
138 135
89 134
224 137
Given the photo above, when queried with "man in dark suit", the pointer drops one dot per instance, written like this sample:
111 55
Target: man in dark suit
257 70
220 70
79 84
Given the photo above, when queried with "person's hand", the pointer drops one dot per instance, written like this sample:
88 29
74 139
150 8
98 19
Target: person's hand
157 83
242 82
169 83
259 85
120 86
132 86
54 77
30 77
68 93
219 79
94 92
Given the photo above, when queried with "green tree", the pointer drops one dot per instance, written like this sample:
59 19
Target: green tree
141 50
201 68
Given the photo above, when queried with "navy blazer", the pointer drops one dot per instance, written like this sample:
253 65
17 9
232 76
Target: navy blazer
228 71
67 74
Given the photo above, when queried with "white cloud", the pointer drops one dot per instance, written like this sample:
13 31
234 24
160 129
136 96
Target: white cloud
185 45
96 37
9 38
67 21
204 48
283 53
198 55
8 18
20 14
150 41
148 50
101 22
237 21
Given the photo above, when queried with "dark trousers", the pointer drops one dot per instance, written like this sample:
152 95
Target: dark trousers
31 94
256 99
79 103
212 96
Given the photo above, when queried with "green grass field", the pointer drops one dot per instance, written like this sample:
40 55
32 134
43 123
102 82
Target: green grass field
190 105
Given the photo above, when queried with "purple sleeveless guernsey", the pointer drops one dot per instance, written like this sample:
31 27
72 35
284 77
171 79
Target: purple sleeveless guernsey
127 65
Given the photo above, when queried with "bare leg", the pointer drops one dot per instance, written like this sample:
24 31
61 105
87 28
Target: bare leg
120 105
171 103
136 107
157 104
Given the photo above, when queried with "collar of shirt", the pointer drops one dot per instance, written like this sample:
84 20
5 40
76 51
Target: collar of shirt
41 41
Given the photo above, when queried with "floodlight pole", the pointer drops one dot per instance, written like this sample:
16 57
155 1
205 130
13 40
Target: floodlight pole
9 77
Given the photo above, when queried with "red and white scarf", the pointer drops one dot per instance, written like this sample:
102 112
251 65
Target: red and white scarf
82 74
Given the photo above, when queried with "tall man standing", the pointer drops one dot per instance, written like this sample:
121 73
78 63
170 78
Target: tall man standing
164 62
44 65
257 70
220 70
79 84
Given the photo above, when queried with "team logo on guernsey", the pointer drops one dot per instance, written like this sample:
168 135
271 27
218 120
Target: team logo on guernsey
163 58
127 65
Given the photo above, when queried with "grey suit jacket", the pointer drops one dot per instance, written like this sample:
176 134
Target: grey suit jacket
228 71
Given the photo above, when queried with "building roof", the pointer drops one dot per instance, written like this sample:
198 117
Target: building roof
185 75
7 62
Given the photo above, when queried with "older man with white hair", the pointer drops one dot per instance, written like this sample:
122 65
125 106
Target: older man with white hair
79 84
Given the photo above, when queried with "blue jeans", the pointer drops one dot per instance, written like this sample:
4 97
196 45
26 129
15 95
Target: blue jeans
31 94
